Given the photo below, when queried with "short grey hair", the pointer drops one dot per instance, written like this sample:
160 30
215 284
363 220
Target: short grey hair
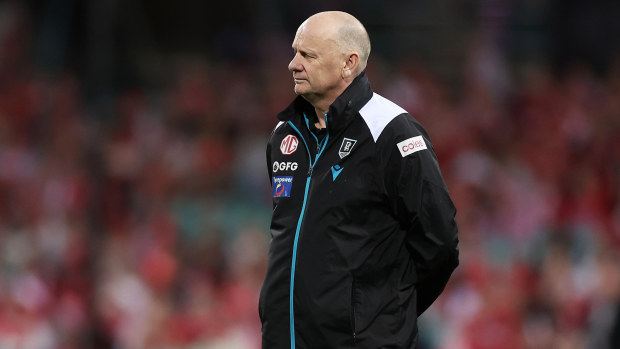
353 37
348 34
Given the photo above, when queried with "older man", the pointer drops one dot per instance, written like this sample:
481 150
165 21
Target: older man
363 230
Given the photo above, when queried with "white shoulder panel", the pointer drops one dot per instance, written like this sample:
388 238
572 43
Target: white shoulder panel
378 112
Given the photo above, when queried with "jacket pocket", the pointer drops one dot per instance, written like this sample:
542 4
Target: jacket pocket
374 304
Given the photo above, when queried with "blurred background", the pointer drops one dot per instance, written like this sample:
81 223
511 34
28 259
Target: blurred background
134 196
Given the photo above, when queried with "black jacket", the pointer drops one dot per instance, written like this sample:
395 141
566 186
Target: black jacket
363 230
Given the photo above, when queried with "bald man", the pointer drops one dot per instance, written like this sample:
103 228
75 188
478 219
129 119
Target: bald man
363 231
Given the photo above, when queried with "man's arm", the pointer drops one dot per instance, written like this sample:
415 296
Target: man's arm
422 204
268 158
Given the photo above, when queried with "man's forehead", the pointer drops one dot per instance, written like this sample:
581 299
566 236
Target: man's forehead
312 36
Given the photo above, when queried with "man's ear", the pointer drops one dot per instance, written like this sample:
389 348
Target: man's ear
350 66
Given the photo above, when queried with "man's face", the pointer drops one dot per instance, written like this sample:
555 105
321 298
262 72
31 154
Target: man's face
317 64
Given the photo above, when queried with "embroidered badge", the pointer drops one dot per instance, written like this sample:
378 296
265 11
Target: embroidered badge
346 147
289 145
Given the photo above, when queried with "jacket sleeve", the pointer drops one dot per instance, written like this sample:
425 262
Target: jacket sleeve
420 200
268 157
268 151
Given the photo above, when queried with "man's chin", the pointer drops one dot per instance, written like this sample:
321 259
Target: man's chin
300 91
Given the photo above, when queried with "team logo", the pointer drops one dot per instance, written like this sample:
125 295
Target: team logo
284 166
411 145
289 145
346 147
282 186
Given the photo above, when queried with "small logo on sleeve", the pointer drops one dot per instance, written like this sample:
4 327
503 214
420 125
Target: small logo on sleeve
346 147
411 145
289 145
282 186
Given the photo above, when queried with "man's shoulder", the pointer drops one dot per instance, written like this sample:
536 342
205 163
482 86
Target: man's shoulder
279 127
386 117
280 123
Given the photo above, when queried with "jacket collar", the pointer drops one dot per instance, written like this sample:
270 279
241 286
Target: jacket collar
341 112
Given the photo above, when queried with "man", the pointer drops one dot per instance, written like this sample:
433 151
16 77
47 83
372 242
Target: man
363 230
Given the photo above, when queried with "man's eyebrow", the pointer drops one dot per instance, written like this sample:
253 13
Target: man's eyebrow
304 50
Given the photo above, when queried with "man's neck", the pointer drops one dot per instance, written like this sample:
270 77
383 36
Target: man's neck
320 115
321 105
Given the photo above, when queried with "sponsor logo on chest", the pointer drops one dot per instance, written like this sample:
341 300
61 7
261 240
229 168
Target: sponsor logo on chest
284 166
289 145
282 186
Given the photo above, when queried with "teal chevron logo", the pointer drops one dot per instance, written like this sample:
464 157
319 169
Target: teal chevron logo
336 171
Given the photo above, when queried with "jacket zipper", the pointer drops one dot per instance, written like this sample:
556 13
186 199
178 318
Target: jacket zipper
320 149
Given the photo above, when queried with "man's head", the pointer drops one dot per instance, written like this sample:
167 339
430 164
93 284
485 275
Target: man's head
331 49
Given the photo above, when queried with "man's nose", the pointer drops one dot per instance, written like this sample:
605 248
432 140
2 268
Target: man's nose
294 65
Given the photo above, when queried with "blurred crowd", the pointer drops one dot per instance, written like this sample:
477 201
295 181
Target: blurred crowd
144 224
